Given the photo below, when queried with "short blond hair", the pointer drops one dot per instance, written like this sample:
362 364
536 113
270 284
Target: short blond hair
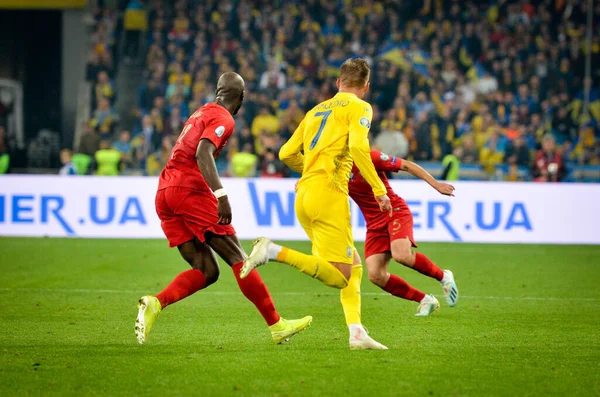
355 73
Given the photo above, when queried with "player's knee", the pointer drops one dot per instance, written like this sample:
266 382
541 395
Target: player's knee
211 274
356 260
403 255
402 251
345 269
209 269
377 276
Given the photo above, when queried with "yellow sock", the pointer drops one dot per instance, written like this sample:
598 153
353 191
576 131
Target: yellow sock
350 296
313 266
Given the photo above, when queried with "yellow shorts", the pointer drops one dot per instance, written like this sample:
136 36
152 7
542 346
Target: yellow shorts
324 213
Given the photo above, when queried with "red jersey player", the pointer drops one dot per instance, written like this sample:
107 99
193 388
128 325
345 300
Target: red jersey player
392 236
195 215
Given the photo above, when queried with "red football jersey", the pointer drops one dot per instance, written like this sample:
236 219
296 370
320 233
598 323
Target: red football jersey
362 193
212 122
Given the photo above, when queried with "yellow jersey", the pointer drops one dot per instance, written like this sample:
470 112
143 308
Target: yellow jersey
331 137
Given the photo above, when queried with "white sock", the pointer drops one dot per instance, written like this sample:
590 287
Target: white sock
355 328
445 278
273 250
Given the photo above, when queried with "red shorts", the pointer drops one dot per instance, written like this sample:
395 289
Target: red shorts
399 226
185 213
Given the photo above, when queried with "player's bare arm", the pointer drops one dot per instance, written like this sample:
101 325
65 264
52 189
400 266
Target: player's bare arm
416 170
206 162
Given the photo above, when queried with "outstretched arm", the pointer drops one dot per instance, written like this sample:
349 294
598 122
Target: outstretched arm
418 171
206 162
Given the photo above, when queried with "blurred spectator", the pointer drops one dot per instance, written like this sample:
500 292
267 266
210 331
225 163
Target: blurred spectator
95 65
290 119
157 160
492 153
67 168
148 93
177 73
181 27
272 78
135 22
470 152
140 149
107 160
264 124
178 87
152 138
421 105
177 102
89 142
487 84
587 148
563 127
548 165
123 146
451 164
174 123
104 88
517 153
246 138
243 164
159 111
391 140
270 165
105 118
423 139
462 125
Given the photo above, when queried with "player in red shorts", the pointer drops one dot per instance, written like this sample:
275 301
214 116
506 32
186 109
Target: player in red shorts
195 215
392 236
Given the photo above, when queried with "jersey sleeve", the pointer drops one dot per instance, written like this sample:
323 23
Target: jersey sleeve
217 130
358 143
383 162
291 152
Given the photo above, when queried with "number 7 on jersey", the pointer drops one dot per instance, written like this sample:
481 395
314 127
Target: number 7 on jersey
323 121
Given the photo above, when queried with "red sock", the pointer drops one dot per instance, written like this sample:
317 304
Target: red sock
400 288
425 266
185 284
256 291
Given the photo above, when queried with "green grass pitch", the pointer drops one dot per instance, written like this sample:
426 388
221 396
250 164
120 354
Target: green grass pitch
527 323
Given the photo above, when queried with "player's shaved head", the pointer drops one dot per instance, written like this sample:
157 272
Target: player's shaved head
230 91
355 73
230 85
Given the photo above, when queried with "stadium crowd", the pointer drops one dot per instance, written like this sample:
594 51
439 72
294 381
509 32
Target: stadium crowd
500 85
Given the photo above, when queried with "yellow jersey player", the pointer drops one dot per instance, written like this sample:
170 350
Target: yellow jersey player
332 136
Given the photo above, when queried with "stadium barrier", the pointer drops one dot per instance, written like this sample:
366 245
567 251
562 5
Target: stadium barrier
123 207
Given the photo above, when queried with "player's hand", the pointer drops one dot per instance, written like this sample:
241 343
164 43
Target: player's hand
224 209
384 204
445 188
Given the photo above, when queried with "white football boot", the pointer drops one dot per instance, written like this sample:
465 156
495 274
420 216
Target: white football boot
360 340
258 257
450 289
428 305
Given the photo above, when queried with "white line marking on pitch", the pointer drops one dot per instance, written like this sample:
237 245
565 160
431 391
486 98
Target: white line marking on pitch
117 291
